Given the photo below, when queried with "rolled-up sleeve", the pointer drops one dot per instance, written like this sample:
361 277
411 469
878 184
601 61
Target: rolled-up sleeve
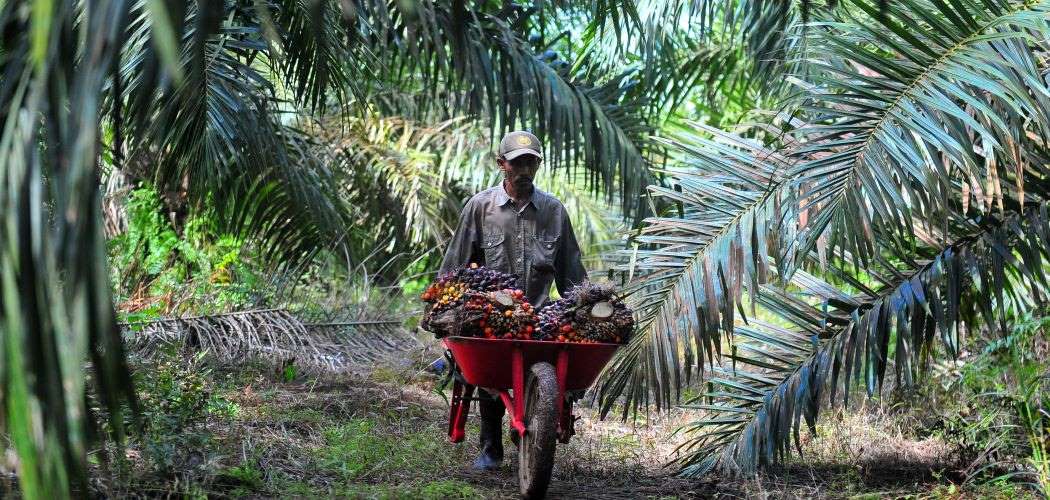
568 265
464 247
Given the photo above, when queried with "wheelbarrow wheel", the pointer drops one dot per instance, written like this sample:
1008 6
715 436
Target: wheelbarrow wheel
536 450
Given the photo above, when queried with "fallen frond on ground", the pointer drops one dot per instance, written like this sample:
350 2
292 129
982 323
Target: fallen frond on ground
276 336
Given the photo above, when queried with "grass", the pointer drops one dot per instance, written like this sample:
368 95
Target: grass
383 436
434 490
362 450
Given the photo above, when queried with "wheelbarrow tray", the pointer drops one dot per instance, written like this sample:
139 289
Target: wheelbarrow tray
487 362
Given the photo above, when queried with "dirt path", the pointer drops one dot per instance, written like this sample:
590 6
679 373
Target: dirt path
383 436
406 424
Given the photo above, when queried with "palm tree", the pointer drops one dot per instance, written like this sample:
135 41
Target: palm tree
896 204
406 182
863 211
207 101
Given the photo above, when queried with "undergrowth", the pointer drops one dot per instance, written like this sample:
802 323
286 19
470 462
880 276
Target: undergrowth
993 406
157 270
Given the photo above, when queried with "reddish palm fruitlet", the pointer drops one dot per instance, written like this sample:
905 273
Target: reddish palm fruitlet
475 301
589 313
504 314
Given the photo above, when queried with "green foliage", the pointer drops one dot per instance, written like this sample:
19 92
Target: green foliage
59 337
247 476
996 407
914 155
157 271
415 280
222 408
149 238
194 95
898 201
289 372
176 398
447 489
434 490
358 449
407 180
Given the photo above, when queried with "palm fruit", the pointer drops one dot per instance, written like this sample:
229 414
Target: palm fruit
475 301
590 312
551 318
504 314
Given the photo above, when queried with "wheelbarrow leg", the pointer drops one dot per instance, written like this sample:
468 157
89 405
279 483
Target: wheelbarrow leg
516 404
458 411
563 412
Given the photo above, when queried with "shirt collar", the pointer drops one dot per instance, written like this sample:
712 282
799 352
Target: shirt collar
502 198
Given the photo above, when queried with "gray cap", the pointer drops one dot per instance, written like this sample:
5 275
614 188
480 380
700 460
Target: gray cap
519 143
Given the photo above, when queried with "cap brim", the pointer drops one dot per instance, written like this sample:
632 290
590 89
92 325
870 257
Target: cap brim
523 151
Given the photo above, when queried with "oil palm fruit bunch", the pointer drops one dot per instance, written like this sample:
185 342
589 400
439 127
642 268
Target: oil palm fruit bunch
448 296
482 279
444 294
448 290
502 314
589 313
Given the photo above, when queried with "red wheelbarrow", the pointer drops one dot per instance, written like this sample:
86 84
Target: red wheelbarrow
531 377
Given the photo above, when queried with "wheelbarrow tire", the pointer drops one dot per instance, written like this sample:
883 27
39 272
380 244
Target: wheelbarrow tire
536 450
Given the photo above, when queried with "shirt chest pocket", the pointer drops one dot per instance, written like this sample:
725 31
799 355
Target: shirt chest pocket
544 251
495 254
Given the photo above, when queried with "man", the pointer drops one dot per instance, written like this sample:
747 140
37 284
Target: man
518 229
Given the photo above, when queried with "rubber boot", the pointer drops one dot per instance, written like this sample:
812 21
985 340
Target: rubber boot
491 434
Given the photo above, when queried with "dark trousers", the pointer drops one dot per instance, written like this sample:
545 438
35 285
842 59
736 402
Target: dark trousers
491 435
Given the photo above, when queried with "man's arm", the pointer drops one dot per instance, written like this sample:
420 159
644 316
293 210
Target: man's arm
568 265
462 250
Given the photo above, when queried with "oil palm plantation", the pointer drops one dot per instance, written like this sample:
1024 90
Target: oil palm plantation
209 102
896 194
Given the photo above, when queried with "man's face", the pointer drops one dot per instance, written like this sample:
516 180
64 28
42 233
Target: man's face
520 171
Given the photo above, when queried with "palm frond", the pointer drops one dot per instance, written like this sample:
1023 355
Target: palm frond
688 273
597 225
291 206
277 337
315 48
55 301
219 136
898 106
750 44
755 412
400 175
407 180
471 58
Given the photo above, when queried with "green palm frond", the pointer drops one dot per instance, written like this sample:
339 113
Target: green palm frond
906 103
756 411
756 42
314 49
219 135
409 179
690 271
400 176
597 224
474 58
291 206
714 78
911 114
55 301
